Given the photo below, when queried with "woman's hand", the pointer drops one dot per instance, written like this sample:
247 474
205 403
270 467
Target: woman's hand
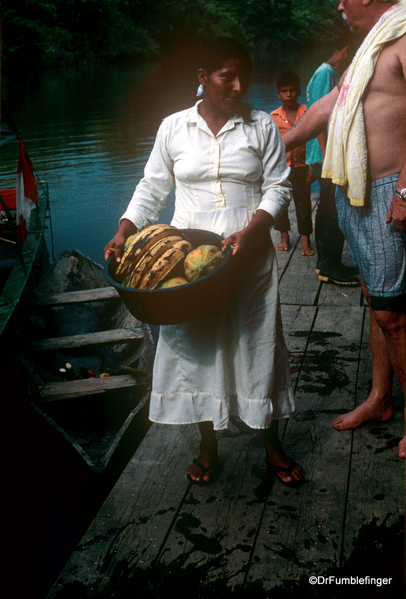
116 245
251 234
238 240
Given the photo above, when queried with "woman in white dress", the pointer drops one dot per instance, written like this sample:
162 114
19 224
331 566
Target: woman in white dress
228 165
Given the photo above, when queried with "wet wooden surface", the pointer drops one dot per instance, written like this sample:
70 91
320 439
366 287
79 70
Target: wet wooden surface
246 535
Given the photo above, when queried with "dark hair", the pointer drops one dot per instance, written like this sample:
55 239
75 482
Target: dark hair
352 40
288 78
219 50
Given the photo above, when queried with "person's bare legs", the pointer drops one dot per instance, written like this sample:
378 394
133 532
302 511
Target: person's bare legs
208 453
378 406
307 249
393 325
283 245
276 456
388 347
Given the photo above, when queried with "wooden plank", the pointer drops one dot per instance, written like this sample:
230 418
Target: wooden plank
77 297
283 258
297 327
69 389
114 557
373 541
98 338
339 295
299 284
301 530
209 545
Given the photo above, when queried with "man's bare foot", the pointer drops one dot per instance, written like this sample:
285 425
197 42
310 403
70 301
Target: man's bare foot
283 246
207 458
372 410
275 456
402 447
307 249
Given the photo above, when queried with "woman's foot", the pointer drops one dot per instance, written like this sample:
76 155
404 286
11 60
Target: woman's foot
203 469
283 245
286 469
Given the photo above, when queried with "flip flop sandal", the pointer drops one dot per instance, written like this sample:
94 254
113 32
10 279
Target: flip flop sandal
204 470
288 470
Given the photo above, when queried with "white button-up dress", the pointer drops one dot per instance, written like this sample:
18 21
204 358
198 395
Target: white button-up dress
232 361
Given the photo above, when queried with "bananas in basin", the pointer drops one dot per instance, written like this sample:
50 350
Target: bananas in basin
155 256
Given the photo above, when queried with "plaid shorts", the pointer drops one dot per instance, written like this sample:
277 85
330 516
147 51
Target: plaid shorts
378 249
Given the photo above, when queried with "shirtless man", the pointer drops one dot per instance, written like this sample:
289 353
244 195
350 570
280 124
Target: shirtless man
385 128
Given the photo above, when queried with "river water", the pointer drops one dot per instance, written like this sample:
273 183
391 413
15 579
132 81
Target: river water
89 132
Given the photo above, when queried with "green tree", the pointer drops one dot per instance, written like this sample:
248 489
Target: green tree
54 32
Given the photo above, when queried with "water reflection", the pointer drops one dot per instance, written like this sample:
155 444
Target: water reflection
89 132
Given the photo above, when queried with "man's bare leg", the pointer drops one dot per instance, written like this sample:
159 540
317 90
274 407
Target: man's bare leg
393 325
276 456
307 249
283 245
208 453
378 406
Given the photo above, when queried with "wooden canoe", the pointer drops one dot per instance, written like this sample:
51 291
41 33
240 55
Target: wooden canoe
77 319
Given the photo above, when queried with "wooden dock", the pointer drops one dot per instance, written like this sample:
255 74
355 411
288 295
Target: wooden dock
245 535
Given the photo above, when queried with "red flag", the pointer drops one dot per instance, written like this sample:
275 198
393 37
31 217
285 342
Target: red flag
24 166
27 193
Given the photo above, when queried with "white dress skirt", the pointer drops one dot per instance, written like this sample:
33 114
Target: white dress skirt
232 361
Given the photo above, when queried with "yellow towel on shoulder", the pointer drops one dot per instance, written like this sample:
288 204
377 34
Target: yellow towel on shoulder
346 153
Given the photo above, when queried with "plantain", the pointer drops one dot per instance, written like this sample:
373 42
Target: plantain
129 240
174 282
165 264
141 243
150 257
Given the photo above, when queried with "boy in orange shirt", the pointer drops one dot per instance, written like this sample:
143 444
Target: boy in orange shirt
288 85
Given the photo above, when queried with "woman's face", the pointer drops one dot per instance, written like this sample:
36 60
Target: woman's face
225 88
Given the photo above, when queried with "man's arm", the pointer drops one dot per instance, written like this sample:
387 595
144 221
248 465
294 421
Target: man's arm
312 123
397 210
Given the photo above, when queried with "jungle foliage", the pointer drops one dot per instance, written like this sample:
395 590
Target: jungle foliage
61 32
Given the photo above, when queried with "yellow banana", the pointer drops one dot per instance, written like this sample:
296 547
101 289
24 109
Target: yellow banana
150 257
165 264
140 244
